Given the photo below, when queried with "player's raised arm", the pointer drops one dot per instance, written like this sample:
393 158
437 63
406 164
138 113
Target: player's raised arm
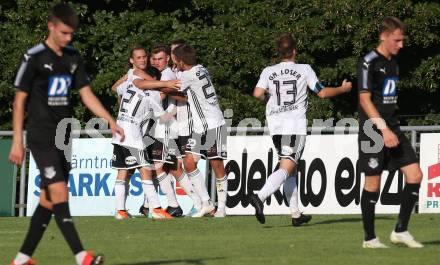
328 92
118 83
93 104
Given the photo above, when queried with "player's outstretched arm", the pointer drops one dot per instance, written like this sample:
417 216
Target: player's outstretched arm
17 150
328 92
390 139
118 83
93 104
165 86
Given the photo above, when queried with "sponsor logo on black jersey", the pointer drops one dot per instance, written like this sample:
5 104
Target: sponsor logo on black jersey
58 90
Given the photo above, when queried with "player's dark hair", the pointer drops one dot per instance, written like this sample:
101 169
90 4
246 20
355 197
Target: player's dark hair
153 72
178 42
390 24
160 47
286 45
136 48
186 54
64 13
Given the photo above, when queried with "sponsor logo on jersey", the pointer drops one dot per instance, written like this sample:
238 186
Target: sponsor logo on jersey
48 66
191 142
389 90
49 172
373 163
286 150
58 90
73 67
130 160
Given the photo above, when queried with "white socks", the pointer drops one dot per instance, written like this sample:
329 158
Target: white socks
273 183
80 257
151 194
166 185
120 194
291 192
198 181
21 258
222 192
186 185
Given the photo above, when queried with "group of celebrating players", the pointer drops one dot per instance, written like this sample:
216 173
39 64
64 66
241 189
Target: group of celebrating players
169 117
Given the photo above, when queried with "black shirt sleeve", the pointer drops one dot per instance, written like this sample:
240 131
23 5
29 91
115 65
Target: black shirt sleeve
25 75
81 79
364 76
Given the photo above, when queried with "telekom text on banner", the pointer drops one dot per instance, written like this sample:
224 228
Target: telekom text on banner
429 195
91 182
329 181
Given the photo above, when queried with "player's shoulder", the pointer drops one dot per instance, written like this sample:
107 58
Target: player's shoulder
369 57
168 74
70 50
34 51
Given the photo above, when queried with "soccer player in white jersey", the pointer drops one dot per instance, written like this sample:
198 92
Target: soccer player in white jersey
138 60
284 87
208 131
164 148
135 111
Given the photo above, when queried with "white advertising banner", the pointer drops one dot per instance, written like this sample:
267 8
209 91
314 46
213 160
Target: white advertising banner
91 182
429 195
329 181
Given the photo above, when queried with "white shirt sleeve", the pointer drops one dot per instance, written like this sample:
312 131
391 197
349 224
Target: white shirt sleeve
312 80
167 75
121 88
263 82
156 109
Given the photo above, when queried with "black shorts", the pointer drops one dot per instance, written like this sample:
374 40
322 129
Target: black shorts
209 145
289 146
51 162
373 163
181 142
162 152
128 157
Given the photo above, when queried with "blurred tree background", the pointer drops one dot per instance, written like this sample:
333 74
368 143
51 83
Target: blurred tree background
235 41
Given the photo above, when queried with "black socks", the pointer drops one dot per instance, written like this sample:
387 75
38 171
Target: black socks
368 205
410 194
65 223
39 222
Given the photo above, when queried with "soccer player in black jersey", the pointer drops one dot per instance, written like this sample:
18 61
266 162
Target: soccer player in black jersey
381 143
48 74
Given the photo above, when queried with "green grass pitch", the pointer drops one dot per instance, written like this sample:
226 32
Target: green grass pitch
328 239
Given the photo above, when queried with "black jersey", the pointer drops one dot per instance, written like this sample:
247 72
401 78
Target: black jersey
49 80
379 76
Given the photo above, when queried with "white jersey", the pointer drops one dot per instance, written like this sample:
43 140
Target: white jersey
287 84
135 112
182 113
169 129
204 108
